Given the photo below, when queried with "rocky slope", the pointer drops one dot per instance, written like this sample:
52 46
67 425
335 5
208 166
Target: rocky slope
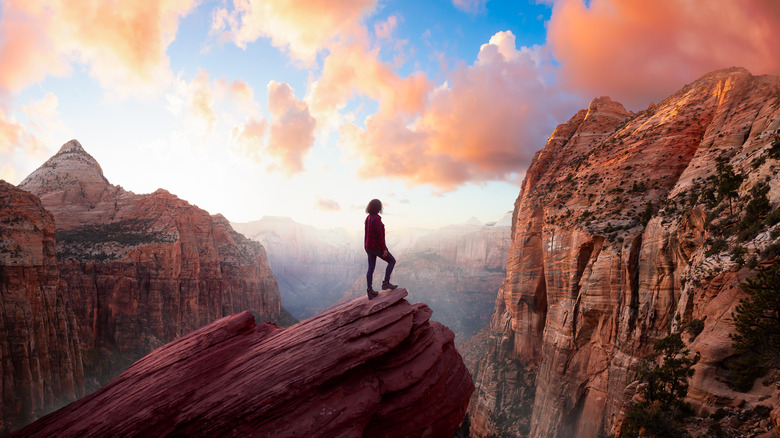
617 240
313 267
141 270
375 368
455 269
39 346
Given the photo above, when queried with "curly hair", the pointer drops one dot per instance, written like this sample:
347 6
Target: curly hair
374 207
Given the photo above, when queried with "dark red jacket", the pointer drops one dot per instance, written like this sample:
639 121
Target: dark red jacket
375 233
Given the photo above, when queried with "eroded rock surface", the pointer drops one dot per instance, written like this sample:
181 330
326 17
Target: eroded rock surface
39 344
592 282
374 368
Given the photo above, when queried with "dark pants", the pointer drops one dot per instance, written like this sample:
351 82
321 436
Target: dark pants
372 255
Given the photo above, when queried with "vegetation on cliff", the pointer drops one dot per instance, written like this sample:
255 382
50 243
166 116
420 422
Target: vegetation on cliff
757 321
663 390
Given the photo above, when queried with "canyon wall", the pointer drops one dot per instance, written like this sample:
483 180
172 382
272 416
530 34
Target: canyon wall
39 348
141 270
617 240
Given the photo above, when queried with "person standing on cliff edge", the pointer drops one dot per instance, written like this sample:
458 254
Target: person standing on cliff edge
374 243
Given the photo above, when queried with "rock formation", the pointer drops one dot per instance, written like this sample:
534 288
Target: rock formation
141 270
39 346
456 270
617 240
374 368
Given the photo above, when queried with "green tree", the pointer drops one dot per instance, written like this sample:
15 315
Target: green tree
757 323
728 183
663 389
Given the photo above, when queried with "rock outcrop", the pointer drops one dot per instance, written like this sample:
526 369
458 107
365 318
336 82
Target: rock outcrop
142 270
617 240
374 368
39 346
456 270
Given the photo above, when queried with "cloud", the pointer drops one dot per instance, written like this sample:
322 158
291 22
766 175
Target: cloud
123 43
249 138
484 124
472 7
195 101
351 69
285 139
30 135
301 27
327 204
640 51
291 133
385 29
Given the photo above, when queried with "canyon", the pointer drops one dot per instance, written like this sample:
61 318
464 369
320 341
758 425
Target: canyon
376 368
455 269
103 276
617 241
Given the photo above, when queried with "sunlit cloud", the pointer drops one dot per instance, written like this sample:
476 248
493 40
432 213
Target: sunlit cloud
301 27
484 124
472 7
291 133
327 204
281 141
385 29
352 69
641 51
123 43
27 140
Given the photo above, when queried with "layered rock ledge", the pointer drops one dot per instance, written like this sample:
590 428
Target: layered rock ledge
376 368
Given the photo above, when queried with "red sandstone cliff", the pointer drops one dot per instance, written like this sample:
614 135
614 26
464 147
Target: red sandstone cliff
374 368
141 270
39 346
590 287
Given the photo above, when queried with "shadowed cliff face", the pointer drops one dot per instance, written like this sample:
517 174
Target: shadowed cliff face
39 345
590 286
141 270
374 368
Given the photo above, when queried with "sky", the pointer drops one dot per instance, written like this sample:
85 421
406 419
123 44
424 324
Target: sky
311 108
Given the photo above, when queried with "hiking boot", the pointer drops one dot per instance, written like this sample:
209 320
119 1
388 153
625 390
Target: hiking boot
387 285
372 293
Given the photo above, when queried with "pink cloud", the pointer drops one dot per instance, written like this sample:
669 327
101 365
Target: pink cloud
472 7
385 29
640 51
123 43
302 27
484 124
291 133
285 139
327 204
351 69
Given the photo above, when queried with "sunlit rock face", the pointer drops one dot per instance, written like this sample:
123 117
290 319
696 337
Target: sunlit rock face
141 270
39 344
376 368
590 286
